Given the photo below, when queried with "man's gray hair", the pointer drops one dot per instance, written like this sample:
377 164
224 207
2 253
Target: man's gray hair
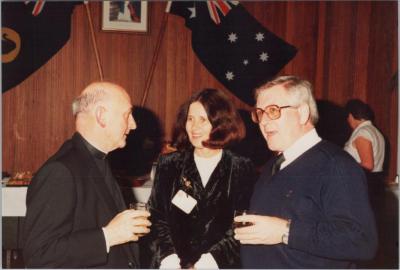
300 91
85 101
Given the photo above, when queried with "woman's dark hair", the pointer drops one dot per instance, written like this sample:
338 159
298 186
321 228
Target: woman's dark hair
227 125
359 110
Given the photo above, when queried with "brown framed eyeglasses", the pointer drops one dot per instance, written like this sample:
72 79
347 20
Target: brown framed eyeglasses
273 112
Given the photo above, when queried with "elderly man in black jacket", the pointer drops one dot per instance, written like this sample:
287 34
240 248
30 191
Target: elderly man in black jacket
76 216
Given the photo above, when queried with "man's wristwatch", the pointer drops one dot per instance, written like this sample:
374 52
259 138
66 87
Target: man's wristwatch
285 235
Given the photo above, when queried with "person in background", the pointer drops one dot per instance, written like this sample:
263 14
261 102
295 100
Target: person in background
197 188
76 215
310 203
366 144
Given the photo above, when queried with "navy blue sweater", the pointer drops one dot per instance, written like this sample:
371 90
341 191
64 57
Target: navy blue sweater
324 193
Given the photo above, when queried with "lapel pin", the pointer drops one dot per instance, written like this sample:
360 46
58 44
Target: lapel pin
187 183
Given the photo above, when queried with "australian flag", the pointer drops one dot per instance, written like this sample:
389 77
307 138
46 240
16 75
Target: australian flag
32 32
239 51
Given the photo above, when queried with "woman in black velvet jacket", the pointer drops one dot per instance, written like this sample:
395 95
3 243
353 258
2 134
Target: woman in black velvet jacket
197 188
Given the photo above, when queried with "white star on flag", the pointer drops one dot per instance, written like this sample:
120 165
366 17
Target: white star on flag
192 12
235 48
264 56
260 36
232 37
229 75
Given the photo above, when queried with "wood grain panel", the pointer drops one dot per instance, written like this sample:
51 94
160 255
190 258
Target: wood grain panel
341 49
363 14
347 49
302 32
320 70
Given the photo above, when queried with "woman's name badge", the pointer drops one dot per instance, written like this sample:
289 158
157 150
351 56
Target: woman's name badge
184 201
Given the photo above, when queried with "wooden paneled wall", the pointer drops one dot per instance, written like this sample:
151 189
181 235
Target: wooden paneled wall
346 49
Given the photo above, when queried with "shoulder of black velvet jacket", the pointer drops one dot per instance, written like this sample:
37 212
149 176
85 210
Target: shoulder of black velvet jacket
238 158
171 158
243 169
169 165
241 165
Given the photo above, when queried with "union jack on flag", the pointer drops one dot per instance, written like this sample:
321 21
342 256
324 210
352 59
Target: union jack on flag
222 6
39 4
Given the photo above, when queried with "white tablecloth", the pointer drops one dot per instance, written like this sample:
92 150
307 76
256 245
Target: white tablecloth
13 199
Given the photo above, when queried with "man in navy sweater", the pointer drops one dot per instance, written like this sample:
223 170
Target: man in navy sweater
310 204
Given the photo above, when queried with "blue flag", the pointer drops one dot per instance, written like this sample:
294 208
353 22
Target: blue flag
239 51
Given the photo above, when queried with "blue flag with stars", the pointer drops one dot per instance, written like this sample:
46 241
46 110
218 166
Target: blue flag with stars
239 51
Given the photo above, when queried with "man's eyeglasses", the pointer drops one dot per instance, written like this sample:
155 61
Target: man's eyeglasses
272 111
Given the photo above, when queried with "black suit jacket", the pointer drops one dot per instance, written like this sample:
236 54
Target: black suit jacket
68 203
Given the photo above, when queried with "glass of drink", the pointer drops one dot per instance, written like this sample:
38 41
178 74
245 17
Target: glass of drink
241 213
139 206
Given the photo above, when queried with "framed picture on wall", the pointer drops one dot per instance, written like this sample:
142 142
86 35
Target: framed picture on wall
126 16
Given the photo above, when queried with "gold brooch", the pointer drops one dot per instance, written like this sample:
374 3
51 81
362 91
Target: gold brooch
186 182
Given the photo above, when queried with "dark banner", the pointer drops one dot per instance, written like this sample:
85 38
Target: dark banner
32 32
239 51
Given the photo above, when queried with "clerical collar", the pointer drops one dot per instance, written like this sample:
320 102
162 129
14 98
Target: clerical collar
93 151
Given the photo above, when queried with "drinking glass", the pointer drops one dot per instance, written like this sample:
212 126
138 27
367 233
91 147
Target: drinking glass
138 206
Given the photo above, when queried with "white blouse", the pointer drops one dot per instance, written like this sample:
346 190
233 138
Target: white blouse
368 131
206 166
